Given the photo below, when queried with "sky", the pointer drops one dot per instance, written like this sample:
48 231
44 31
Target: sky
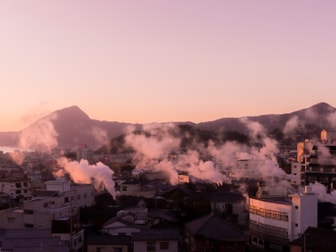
158 61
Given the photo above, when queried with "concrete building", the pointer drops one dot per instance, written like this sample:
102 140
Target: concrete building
276 221
16 187
61 199
86 153
316 161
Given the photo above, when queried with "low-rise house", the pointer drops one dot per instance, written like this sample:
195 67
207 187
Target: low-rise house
229 205
120 226
134 188
159 240
31 240
106 242
69 231
11 218
212 233
315 240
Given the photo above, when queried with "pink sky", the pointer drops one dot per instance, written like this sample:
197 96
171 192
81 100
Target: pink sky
146 61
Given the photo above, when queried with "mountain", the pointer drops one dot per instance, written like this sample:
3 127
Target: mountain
314 118
72 127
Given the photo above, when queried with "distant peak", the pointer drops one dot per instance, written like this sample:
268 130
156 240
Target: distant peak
73 111
322 106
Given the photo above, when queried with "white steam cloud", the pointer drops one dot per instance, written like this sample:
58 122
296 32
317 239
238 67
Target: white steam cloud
40 136
82 172
157 149
322 194
291 125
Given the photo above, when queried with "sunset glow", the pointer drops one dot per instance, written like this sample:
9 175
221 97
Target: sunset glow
159 61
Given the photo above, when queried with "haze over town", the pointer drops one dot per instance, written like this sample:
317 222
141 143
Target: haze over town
161 61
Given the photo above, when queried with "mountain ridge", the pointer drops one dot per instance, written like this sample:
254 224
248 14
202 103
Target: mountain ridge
73 127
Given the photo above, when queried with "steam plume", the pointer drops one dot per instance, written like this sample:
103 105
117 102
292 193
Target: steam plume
41 136
83 172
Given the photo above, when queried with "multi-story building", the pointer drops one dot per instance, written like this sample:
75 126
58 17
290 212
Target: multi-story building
316 161
16 187
61 199
276 221
86 153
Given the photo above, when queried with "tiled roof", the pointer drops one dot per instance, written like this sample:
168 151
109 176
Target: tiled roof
157 235
105 239
213 227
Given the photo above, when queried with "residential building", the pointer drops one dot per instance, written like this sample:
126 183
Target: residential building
315 240
69 231
276 221
108 243
134 188
31 240
60 199
316 161
158 240
230 205
86 153
16 187
212 233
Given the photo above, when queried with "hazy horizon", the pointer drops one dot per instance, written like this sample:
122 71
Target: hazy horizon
161 61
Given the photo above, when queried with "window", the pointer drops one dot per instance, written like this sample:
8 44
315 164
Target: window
164 245
296 207
28 225
151 246
11 219
99 249
117 249
228 208
26 211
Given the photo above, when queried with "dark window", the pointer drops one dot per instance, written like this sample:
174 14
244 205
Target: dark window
26 211
228 208
151 246
164 245
28 225
118 249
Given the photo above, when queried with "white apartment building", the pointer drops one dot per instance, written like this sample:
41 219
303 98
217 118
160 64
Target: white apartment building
16 187
61 199
274 221
316 161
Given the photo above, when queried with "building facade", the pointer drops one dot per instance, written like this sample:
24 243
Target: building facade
275 221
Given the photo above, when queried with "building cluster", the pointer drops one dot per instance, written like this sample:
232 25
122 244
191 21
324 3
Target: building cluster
42 213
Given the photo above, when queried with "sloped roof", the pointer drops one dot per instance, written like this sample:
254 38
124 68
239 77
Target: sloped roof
45 193
317 238
213 227
157 235
106 239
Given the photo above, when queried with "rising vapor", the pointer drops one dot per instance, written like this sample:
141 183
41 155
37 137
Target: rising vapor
84 173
